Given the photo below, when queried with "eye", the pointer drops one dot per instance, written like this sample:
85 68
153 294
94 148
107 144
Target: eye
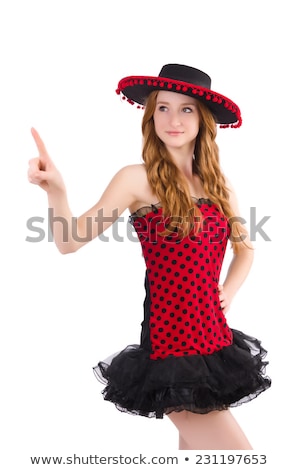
162 108
187 109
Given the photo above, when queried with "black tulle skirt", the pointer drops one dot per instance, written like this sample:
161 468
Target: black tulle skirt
198 383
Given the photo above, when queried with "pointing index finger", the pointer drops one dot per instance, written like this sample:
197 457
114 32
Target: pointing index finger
39 142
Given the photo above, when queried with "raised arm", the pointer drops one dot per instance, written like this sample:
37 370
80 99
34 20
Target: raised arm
71 233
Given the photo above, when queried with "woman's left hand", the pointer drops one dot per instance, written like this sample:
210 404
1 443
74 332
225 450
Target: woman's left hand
225 301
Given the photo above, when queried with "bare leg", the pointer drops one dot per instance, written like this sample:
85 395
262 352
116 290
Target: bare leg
217 430
182 444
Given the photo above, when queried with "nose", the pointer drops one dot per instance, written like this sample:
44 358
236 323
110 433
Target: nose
175 119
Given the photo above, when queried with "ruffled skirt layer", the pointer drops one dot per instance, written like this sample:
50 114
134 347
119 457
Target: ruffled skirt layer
198 383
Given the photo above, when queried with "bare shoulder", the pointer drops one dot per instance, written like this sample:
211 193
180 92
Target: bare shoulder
136 177
133 171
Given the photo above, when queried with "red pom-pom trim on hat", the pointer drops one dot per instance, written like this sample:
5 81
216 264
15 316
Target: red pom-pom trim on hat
180 87
235 125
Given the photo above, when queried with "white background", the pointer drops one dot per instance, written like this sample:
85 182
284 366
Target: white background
60 65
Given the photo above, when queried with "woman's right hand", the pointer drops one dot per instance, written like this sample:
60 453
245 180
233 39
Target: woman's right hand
42 170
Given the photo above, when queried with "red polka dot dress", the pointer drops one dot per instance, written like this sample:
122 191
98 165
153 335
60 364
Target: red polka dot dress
188 357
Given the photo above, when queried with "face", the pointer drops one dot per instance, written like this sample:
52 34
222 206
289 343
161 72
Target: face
176 120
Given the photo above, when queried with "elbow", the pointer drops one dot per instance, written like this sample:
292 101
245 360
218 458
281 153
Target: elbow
67 249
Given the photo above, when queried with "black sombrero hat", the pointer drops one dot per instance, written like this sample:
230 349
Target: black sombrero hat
186 80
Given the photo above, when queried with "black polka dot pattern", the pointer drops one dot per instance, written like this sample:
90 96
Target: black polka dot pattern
184 314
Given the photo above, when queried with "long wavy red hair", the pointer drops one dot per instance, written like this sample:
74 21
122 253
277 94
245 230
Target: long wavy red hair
169 184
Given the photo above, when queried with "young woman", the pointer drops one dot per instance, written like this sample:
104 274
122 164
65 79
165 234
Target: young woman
190 365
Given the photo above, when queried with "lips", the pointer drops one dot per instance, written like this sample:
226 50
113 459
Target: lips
174 133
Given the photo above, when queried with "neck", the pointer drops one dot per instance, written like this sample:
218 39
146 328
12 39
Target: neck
184 162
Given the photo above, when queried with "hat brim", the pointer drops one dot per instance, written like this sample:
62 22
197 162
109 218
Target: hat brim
136 89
